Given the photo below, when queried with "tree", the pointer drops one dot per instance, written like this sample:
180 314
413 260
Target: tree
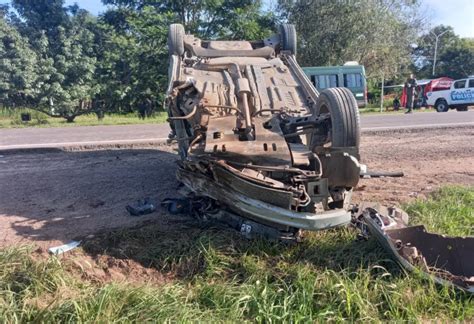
66 58
455 55
377 34
17 67
133 61
209 19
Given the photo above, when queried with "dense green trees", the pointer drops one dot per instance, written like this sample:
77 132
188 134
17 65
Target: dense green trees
18 66
455 57
65 62
376 33
55 58
133 59
229 19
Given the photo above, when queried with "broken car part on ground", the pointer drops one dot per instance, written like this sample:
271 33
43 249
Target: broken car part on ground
255 137
447 260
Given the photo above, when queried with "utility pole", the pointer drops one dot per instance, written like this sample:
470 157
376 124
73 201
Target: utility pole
436 48
381 92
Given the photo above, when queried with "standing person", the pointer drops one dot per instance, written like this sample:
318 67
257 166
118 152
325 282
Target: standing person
410 86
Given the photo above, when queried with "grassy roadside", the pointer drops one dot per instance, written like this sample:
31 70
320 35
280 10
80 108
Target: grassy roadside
215 275
13 120
376 111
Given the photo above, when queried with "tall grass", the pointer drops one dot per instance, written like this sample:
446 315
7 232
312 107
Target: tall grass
220 277
450 210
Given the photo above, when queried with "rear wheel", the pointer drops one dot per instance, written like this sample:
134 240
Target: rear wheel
176 39
441 105
288 38
463 108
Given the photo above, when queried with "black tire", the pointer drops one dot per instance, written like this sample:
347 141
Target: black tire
288 38
463 108
176 39
441 105
341 104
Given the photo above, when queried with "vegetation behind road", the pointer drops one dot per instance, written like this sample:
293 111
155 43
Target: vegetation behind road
12 119
65 62
215 275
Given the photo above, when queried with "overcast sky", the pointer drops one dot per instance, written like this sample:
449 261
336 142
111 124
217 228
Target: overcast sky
456 13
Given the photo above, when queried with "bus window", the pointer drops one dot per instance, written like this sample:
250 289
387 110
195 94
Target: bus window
324 81
353 80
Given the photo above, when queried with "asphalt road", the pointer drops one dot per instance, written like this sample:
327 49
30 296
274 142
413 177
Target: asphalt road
16 138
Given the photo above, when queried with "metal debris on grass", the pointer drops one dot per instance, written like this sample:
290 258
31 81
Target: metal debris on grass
448 260
64 248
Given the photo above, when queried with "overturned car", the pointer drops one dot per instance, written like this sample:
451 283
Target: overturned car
262 149
256 136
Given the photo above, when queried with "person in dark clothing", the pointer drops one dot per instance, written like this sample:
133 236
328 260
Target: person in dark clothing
410 86
144 108
396 104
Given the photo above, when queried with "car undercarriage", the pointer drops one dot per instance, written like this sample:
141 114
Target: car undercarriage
253 135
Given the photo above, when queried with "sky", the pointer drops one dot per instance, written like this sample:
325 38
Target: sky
456 13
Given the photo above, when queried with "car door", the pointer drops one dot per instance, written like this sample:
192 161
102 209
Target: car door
470 92
460 93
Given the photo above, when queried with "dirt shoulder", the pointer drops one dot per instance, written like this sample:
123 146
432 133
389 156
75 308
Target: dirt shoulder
428 158
52 197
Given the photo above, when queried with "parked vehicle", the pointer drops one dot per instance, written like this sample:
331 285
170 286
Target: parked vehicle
459 96
351 76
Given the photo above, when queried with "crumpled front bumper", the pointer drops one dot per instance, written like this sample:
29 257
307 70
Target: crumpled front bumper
258 210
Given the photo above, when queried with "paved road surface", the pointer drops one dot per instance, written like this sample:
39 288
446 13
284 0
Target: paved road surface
126 134
416 120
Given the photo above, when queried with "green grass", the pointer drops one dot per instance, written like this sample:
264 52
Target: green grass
376 110
216 276
11 119
449 210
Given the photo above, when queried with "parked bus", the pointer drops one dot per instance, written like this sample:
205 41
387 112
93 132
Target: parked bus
350 75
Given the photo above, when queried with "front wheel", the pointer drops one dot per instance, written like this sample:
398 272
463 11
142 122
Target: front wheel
340 167
441 106
341 105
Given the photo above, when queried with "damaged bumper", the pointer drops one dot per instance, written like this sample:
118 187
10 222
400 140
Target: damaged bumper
256 209
447 260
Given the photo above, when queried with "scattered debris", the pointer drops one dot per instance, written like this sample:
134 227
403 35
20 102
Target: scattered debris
447 260
380 174
177 206
208 210
64 248
141 207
